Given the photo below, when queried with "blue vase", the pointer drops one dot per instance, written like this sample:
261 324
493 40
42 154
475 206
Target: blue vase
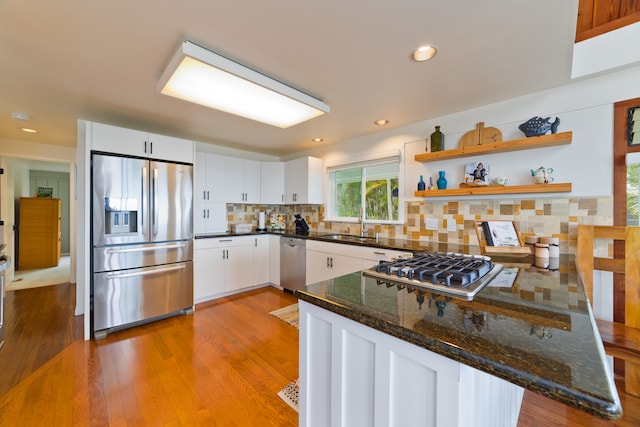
421 184
442 181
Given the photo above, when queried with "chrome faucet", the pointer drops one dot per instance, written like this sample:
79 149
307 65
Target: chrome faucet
363 231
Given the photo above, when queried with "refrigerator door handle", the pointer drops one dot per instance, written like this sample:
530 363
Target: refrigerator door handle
113 276
154 206
143 179
146 248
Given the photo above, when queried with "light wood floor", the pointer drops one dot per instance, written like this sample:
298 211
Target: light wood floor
222 366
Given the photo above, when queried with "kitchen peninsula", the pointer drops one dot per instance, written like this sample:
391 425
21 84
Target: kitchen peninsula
371 350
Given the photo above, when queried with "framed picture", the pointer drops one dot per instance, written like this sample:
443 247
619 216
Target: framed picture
476 173
500 233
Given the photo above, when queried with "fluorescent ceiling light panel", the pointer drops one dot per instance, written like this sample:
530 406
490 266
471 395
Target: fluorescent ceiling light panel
201 76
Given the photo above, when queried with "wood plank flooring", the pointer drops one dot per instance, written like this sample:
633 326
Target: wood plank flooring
221 366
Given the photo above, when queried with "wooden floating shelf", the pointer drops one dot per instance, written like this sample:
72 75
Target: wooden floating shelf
506 189
498 147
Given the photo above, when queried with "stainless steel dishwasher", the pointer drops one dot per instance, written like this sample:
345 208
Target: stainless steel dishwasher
293 263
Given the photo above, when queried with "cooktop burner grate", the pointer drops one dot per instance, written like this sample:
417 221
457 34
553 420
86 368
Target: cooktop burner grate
448 273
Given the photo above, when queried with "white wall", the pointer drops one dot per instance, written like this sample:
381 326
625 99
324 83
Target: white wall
584 107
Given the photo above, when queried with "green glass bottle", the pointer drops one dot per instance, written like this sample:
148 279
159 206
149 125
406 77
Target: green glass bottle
437 140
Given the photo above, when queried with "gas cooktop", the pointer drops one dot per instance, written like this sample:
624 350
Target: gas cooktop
448 273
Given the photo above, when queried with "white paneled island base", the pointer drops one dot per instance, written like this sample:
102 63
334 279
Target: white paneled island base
353 375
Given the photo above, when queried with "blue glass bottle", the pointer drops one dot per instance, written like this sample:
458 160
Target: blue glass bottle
442 181
421 184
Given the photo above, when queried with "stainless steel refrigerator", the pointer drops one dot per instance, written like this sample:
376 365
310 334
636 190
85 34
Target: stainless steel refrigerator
142 241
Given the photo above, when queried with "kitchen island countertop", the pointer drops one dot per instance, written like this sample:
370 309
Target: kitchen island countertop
532 327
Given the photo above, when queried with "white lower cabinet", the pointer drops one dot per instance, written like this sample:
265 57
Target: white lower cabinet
354 375
274 259
373 256
328 260
222 265
261 267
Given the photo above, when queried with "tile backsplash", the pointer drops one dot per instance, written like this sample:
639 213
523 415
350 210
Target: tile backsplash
553 217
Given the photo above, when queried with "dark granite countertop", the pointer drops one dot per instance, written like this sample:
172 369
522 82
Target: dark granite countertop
382 242
538 333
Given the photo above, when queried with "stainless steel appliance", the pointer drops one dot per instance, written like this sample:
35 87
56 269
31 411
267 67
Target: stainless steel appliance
4 264
293 263
142 240
453 274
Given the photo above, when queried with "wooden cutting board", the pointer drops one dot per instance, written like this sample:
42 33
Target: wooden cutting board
480 135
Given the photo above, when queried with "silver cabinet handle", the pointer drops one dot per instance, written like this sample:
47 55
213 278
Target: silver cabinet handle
327 262
226 240
113 276
379 253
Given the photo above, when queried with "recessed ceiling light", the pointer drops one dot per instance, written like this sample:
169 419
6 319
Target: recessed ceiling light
28 130
317 140
424 53
20 116
381 122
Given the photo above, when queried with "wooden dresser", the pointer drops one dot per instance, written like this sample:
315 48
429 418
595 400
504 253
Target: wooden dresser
40 232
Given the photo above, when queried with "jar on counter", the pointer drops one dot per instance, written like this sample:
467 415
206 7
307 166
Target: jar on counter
554 246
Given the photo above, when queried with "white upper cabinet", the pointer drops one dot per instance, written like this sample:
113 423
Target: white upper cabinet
113 139
210 208
272 183
210 178
243 180
303 181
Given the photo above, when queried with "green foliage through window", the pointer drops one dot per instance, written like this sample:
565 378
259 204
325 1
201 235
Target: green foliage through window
380 185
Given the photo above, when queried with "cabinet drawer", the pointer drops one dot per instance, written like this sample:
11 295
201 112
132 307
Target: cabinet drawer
380 254
224 241
334 248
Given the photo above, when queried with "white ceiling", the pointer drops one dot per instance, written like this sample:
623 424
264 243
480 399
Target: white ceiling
100 60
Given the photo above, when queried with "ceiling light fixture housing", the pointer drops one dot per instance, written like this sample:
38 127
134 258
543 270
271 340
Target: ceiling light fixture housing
28 130
317 139
199 75
381 122
424 53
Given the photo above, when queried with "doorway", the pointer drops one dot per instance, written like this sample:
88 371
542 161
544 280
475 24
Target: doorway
23 179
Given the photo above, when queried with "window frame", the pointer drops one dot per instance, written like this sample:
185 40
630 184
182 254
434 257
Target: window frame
375 161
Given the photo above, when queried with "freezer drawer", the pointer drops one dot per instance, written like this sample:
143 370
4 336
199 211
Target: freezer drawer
123 297
120 257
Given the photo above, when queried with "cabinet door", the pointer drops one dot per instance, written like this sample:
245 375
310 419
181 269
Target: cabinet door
294 172
113 139
208 268
200 187
341 265
261 267
274 259
209 217
235 180
304 181
318 267
210 177
238 269
272 183
164 147
252 181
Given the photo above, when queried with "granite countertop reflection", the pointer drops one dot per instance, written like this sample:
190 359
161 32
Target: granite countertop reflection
530 326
